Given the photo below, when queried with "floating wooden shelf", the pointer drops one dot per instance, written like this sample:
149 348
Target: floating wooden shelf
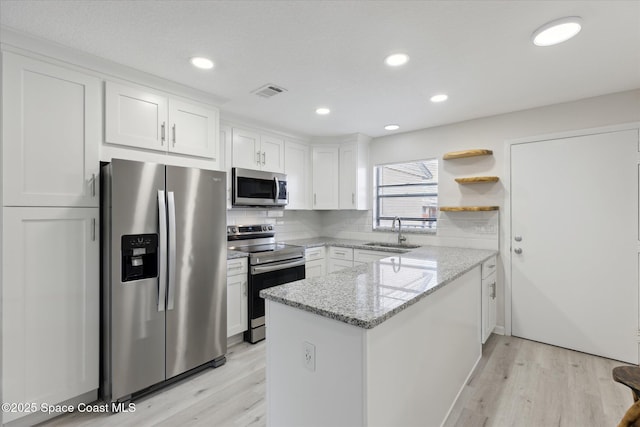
477 179
466 153
468 208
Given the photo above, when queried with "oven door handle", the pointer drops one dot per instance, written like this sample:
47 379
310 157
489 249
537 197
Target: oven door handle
276 266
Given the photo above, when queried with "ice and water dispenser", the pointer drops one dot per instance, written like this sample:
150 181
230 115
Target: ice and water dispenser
139 256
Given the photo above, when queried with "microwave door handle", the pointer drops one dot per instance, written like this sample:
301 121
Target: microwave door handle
277 184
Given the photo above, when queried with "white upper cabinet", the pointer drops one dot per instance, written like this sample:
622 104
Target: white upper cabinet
354 163
246 149
252 150
272 153
135 117
326 178
298 169
141 118
51 134
194 129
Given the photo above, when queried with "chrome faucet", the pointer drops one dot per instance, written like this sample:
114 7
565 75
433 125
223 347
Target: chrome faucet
401 238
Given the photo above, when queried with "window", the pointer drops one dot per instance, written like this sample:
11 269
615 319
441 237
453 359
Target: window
408 191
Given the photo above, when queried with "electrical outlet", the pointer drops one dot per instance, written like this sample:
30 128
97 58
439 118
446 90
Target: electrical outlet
309 354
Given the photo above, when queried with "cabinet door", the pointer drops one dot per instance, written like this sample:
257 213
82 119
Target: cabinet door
314 269
348 171
246 149
194 129
297 160
50 136
50 304
225 145
488 306
135 117
272 154
236 304
325 177
338 264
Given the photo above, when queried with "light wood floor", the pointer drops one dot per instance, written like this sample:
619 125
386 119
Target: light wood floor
518 383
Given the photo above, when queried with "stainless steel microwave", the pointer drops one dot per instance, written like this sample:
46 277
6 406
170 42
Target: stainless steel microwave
258 188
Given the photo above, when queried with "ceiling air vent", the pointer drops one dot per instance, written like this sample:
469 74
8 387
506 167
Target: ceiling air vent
269 90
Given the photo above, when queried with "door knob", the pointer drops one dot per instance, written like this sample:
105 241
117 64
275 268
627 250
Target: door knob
518 238
518 251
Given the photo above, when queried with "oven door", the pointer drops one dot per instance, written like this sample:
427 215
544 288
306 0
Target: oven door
266 276
257 188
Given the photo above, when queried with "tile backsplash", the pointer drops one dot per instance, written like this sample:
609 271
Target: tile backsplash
462 229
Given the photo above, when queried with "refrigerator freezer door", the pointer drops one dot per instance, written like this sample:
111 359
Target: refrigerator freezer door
197 323
136 348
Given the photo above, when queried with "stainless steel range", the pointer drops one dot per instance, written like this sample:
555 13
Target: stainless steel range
270 264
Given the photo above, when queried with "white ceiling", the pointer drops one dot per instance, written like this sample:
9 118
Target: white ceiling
331 53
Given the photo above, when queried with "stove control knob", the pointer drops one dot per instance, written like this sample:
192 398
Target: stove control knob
233 229
270 227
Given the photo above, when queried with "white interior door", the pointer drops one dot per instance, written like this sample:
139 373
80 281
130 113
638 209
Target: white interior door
574 243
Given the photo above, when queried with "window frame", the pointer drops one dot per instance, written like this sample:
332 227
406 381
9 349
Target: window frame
430 223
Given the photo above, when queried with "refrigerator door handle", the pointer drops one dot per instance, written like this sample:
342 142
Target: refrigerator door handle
162 254
171 291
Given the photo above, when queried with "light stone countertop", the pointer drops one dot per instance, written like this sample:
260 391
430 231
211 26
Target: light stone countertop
369 294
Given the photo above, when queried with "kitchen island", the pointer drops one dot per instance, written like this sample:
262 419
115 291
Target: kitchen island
388 343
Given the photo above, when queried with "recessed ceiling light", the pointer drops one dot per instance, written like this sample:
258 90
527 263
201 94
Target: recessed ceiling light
439 98
392 127
396 59
557 31
323 111
201 62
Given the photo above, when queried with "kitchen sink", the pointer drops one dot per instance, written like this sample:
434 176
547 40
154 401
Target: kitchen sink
392 245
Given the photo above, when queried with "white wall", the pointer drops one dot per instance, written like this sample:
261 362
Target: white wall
491 133
478 230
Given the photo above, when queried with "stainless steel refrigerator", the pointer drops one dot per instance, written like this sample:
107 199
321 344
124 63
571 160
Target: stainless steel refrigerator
164 301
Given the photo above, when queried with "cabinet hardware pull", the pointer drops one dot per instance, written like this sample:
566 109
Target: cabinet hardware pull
491 266
93 229
93 185
315 199
162 133
174 134
258 158
264 157
493 290
235 267
353 199
244 286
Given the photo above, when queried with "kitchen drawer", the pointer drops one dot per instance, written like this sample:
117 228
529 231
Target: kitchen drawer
312 254
341 253
489 267
237 266
364 256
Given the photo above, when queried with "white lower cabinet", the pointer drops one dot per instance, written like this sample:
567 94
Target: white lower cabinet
363 256
488 298
237 282
50 305
315 265
339 259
